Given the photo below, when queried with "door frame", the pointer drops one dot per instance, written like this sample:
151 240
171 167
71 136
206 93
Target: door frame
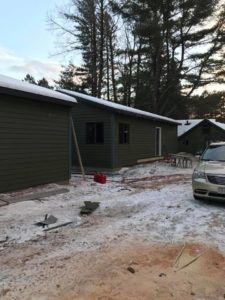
158 141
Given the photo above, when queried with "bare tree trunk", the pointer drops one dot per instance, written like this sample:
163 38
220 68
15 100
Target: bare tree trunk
94 52
101 49
112 66
108 67
137 89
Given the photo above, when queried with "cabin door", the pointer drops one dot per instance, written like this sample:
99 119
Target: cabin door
158 141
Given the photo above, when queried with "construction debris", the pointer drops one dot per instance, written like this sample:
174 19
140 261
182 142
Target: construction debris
3 202
175 264
3 240
47 221
178 257
131 270
57 226
88 207
33 196
191 261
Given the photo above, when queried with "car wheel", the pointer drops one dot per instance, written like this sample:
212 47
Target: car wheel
197 197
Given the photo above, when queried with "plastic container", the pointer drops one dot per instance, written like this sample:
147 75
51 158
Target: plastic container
100 177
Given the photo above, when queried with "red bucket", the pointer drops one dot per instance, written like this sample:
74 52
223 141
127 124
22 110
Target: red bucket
100 178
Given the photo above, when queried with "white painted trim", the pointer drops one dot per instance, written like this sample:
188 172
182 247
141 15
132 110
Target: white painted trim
160 141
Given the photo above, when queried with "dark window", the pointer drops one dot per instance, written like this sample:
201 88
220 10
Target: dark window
124 133
95 133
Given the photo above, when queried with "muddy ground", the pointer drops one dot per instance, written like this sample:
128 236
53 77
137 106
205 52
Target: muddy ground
124 271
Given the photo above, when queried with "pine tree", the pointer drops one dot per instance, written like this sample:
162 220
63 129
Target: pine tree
44 83
90 29
29 78
69 79
41 82
179 49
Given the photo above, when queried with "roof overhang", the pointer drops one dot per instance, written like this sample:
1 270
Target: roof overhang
35 96
133 113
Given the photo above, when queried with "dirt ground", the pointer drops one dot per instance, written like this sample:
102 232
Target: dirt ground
149 239
128 271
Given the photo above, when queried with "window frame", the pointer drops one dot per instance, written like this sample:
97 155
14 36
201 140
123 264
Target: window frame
94 140
158 133
124 133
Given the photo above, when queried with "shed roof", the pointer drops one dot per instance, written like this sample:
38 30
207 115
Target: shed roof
119 108
13 86
187 125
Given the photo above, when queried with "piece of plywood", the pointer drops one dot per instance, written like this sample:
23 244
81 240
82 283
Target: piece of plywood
145 160
35 195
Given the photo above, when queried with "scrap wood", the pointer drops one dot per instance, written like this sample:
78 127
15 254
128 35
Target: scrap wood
36 195
47 221
191 261
178 256
5 202
4 240
57 226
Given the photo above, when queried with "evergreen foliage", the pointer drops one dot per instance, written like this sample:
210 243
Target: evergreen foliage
69 79
150 54
29 78
90 29
44 83
41 82
178 49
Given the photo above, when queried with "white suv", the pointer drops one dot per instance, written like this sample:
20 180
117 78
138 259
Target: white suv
208 180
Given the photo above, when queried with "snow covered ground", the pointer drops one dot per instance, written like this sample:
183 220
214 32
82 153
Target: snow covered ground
163 212
151 202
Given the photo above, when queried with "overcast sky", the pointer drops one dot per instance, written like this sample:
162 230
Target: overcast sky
26 44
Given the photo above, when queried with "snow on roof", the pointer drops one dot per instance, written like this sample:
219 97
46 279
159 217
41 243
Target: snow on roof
119 107
221 125
187 125
14 84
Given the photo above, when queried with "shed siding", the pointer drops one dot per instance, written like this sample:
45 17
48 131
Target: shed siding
142 140
34 147
93 155
195 140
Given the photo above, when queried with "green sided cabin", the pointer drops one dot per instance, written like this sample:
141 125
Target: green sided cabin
194 135
35 135
112 135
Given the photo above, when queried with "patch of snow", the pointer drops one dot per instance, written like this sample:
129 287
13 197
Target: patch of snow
18 85
157 168
120 108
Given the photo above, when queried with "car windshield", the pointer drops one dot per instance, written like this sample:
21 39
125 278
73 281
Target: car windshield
215 153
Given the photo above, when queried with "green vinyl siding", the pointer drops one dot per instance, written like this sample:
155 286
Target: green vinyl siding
93 155
142 140
111 155
197 139
34 143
